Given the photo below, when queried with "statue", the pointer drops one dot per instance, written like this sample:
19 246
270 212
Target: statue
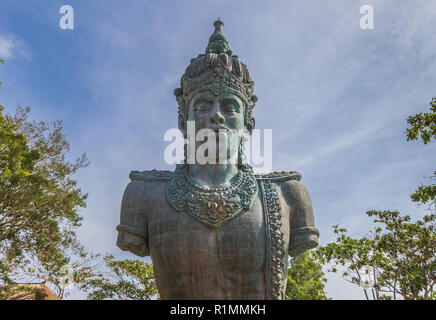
217 231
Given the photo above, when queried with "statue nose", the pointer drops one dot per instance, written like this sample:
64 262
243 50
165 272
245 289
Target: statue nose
217 118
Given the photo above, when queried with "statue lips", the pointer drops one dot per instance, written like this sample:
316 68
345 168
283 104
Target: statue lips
222 140
222 128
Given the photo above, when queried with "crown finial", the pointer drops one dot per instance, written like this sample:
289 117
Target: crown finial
218 24
218 42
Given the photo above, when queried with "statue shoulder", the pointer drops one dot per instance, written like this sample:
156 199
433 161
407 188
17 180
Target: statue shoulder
279 176
143 185
304 235
291 189
295 192
140 193
150 175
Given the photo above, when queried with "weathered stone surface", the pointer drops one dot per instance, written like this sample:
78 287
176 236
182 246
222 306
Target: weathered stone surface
217 231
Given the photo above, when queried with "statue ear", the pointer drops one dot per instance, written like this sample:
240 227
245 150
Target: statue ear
250 125
182 126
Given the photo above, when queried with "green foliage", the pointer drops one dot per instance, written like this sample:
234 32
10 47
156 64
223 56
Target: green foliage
410 249
394 259
400 255
425 194
354 254
126 280
1 61
306 279
424 125
39 200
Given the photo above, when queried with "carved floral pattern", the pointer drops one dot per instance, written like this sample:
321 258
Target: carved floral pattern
277 245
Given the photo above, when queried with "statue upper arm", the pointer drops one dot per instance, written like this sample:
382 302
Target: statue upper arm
132 230
303 234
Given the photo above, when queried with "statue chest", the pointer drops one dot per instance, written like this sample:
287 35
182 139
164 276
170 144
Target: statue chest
243 256
196 258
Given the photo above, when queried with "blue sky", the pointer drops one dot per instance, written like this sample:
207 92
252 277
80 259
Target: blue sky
336 97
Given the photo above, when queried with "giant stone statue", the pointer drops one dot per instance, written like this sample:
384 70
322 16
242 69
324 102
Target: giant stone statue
217 231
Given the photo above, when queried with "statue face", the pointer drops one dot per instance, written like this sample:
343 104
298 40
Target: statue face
223 112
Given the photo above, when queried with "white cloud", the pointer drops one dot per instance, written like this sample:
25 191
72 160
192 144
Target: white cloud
6 46
12 48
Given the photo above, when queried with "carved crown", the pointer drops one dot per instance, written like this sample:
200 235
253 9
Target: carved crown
216 70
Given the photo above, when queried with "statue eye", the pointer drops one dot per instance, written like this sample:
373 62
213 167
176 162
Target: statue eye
202 107
231 107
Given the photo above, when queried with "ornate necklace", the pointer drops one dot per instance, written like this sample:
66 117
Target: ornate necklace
211 205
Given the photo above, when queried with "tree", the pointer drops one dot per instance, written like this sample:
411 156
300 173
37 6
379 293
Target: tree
39 200
1 61
306 279
354 254
125 280
423 125
395 260
409 267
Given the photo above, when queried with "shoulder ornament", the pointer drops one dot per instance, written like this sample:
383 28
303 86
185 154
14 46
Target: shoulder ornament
150 175
279 176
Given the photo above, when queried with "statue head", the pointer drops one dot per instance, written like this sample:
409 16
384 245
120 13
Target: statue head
216 90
